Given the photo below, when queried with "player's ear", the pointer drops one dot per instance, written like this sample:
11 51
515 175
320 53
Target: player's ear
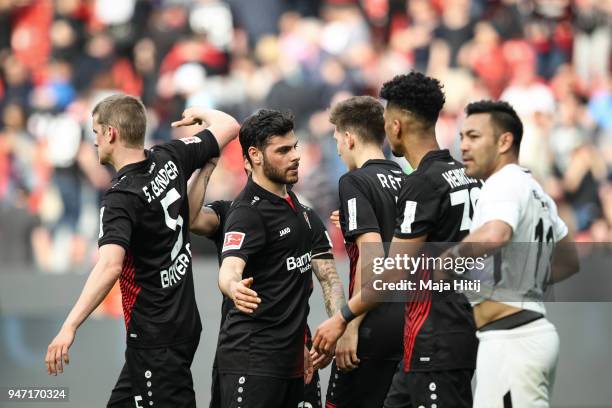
350 139
255 155
396 128
112 134
504 142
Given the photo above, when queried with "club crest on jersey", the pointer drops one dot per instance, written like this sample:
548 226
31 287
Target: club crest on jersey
190 140
307 219
232 240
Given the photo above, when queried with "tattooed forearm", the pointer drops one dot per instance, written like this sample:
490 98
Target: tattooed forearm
333 292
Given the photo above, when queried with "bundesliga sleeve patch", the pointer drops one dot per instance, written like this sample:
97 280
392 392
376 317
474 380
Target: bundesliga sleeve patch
190 140
233 240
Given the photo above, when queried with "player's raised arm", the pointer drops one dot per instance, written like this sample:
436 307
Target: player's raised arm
101 279
202 220
223 126
236 288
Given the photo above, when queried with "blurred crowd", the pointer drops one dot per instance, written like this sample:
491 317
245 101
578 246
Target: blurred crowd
549 58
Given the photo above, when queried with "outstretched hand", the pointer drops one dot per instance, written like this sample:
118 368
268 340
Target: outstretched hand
245 299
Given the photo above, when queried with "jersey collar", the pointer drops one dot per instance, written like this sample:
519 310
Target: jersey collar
433 155
134 166
381 161
262 192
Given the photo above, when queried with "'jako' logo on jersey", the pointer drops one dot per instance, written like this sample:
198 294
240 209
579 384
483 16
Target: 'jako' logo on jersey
233 240
284 231
301 262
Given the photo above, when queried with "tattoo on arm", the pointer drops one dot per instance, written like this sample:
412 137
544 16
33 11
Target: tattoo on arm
333 292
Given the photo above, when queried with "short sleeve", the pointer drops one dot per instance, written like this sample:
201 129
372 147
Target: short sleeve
118 216
244 233
417 208
321 242
193 152
356 213
221 208
501 199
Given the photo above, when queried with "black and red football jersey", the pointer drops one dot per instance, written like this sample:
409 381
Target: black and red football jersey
146 211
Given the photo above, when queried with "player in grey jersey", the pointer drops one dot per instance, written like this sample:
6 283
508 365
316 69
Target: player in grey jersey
518 347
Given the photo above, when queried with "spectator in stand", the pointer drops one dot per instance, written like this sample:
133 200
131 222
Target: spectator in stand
592 33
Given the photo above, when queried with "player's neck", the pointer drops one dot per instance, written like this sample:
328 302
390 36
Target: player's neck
269 185
124 157
367 152
503 162
417 146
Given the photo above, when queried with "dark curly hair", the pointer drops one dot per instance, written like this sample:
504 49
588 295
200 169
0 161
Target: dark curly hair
417 93
257 129
503 117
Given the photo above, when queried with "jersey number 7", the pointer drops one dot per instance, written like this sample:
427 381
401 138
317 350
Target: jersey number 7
467 198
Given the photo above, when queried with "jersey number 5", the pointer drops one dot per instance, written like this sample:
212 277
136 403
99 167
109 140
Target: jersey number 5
170 197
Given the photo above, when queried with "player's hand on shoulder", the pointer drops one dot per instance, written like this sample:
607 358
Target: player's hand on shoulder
57 352
191 116
245 299
346 349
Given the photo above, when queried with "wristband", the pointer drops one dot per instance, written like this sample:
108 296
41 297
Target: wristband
346 313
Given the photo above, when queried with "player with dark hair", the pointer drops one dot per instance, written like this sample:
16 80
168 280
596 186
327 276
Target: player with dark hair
269 251
434 205
144 243
209 220
519 347
368 353
503 118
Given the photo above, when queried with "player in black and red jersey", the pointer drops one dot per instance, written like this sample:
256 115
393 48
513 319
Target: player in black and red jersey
210 221
269 251
144 242
368 353
435 205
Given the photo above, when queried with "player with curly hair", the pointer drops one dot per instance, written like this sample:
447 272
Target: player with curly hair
439 332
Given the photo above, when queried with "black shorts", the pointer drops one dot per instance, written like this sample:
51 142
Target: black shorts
215 390
435 389
312 392
366 386
254 391
159 377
